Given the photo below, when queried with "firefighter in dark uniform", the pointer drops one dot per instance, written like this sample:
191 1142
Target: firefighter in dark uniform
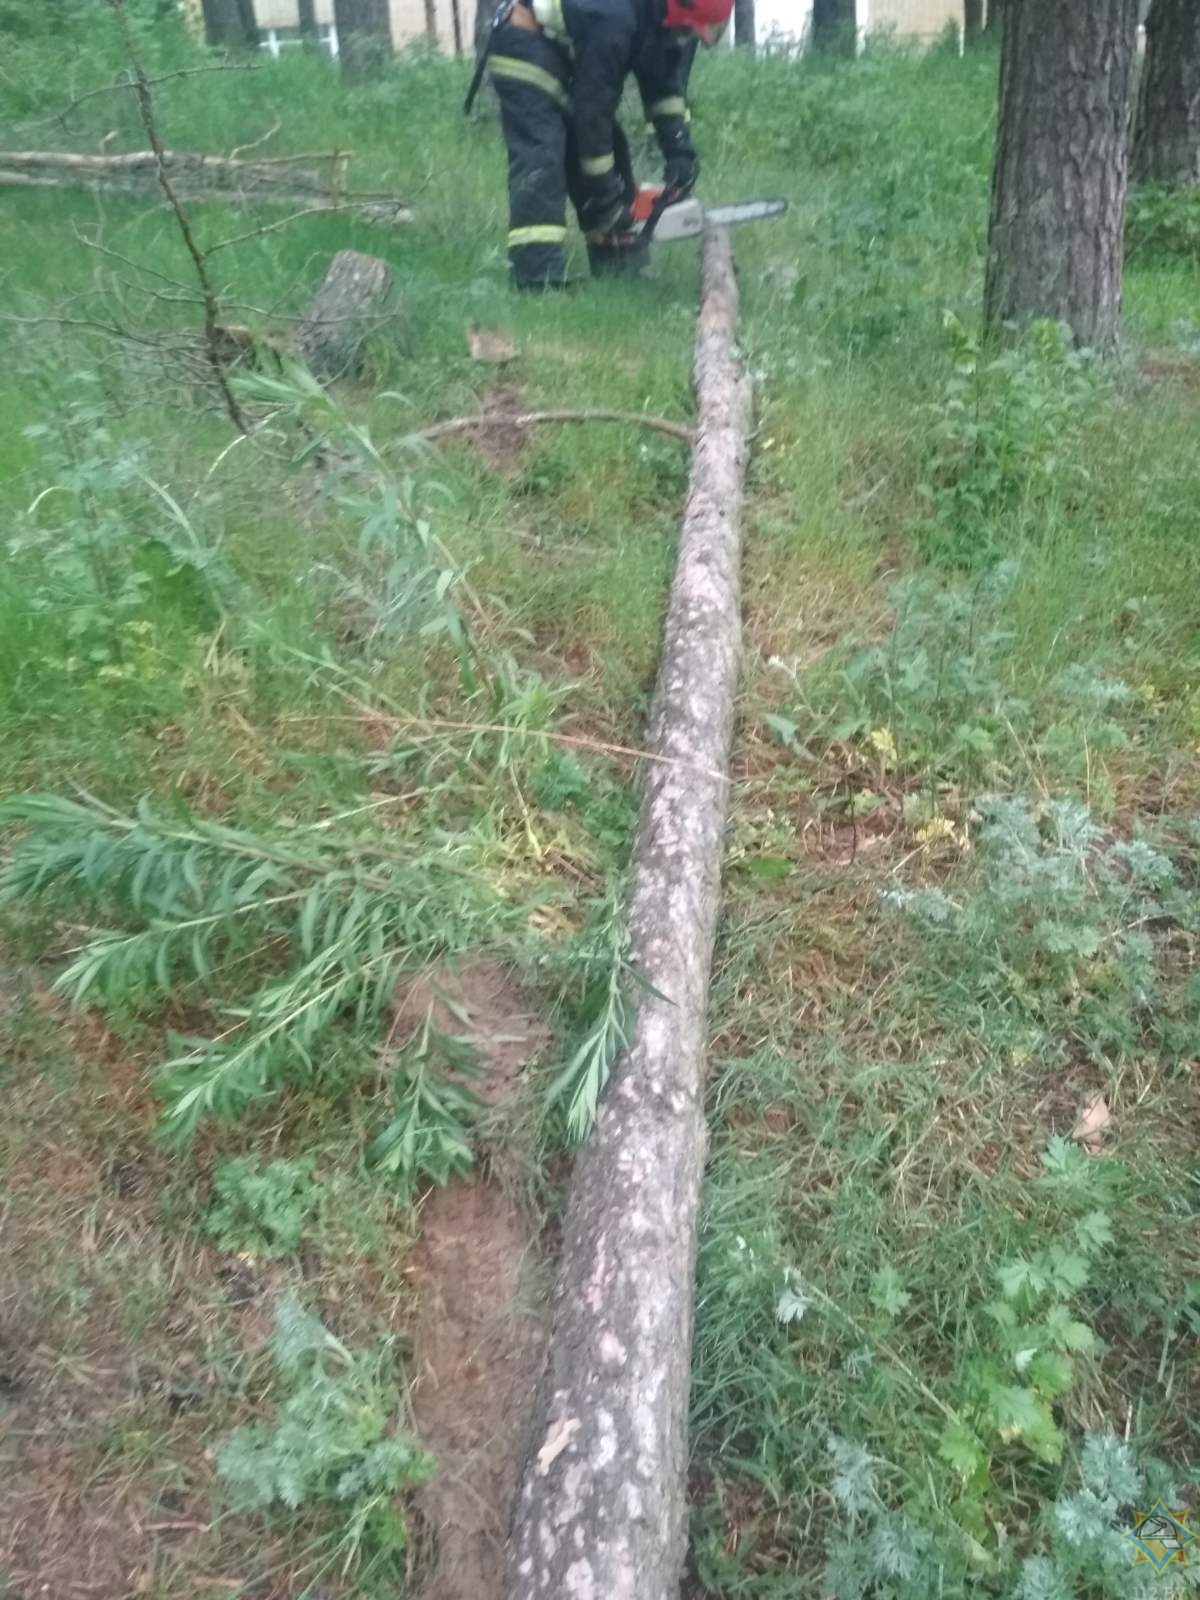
559 69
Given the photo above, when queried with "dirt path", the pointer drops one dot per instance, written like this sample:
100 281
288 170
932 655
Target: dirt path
479 1339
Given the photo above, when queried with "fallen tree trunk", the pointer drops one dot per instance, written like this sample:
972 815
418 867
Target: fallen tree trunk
195 176
602 1511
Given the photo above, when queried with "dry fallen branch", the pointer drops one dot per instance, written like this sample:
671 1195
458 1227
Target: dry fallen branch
602 1510
280 180
529 419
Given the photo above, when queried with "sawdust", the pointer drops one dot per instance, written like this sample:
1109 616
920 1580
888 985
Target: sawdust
478 1338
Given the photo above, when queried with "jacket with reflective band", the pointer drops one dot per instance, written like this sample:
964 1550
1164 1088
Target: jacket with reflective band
609 39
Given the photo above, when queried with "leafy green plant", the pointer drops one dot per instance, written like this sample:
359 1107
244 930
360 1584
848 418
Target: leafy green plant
937 684
604 1012
1031 1340
333 1442
429 1135
1163 222
506 720
941 699
103 548
884 1551
1067 936
1005 435
340 916
404 582
261 1210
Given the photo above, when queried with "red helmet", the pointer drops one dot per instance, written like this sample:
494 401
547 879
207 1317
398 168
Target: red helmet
708 18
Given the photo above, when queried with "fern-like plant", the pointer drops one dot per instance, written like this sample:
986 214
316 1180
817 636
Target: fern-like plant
332 1441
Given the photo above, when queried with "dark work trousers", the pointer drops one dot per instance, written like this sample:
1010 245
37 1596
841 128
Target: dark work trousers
532 78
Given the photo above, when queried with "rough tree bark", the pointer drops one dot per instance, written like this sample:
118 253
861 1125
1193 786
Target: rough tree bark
1055 237
364 33
834 25
601 1513
1166 130
230 24
350 303
744 30
972 23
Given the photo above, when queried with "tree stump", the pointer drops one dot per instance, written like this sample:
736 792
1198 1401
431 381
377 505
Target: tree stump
354 297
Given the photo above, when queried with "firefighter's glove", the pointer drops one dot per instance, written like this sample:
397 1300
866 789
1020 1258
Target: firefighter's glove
682 165
605 208
681 172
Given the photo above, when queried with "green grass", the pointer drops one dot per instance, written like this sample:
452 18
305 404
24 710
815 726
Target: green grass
969 575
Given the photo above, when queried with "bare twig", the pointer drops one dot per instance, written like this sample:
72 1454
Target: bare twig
270 227
155 341
439 725
256 143
211 308
163 77
527 419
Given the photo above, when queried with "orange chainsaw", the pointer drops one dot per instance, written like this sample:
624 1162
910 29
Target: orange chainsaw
665 215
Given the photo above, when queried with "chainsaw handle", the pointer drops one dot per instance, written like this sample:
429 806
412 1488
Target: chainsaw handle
665 197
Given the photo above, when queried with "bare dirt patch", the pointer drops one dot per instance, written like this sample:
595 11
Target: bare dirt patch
479 1337
502 443
1170 366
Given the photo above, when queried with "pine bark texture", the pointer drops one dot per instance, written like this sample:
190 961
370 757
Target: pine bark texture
602 1511
364 32
1166 137
353 297
834 25
744 31
1055 239
230 23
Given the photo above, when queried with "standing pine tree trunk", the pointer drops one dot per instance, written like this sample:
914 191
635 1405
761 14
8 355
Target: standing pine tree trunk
995 18
230 24
744 32
306 19
1166 130
972 22
431 27
1055 238
456 25
364 34
835 25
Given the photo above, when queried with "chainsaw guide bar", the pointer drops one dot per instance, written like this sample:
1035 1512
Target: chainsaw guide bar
686 218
